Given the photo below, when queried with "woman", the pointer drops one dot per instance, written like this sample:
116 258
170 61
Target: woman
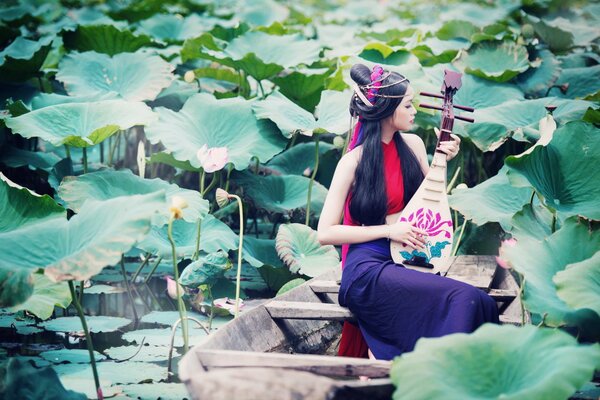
382 170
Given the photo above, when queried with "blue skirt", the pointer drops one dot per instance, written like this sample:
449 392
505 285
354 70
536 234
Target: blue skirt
395 306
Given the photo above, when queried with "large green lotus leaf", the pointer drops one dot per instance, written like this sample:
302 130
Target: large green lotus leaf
298 247
14 157
51 99
106 39
282 194
582 82
579 284
204 120
167 158
134 76
23 58
494 200
540 260
81 124
289 117
260 252
433 51
262 12
207 270
295 160
517 119
583 30
497 61
560 171
145 354
384 54
20 207
109 184
20 380
46 295
95 324
160 390
528 363
16 286
80 247
303 86
174 28
456 29
535 82
534 220
75 356
557 39
214 236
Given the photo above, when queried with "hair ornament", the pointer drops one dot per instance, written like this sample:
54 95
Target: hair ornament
360 94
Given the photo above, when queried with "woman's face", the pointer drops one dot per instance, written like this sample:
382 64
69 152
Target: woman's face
404 116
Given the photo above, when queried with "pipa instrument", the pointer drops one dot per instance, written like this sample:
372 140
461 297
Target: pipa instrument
428 209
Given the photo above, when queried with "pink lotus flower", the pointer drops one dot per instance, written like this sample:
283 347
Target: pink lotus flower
172 287
212 159
512 242
429 222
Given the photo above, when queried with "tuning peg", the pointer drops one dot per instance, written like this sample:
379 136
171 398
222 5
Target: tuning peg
439 96
466 119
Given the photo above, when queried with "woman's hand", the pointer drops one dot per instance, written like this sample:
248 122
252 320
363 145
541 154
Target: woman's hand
450 147
408 235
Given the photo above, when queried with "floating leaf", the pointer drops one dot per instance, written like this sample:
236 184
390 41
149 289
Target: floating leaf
46 295
497 61
109 184
104 289
157 391
298 247
145 353
95 324
162 337
281 194
579 284
550 365
204 120
75 356
206 270
80 247
168 317
106 39
81 124
116 373
134 76
494 200
560 171
540 260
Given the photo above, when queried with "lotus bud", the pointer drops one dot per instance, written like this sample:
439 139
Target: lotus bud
527 31
222 197
461 186
307 171
339 142
178 203
141 159
189 76
512 242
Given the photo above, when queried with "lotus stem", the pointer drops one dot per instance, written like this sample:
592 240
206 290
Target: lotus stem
312 179
67 151
180 304
169 373
102 152
262 91
453 180
85 161
239 267
113 146
553 222
81 284
229 169
135 316
139 269
199 231
211 315
462 230
201 184
88 339
152 270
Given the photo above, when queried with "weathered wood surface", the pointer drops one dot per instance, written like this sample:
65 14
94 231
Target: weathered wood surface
319 364
477 271
304 310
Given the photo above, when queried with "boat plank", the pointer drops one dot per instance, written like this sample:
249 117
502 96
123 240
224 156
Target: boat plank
305 310
477 271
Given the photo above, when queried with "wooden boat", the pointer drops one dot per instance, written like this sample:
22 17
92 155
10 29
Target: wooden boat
284 348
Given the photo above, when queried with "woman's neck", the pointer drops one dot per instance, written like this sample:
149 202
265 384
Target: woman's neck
387 133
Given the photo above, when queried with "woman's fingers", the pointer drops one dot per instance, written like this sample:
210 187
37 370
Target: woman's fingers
419 230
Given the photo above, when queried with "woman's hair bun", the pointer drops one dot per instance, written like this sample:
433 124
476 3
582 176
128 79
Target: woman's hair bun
361 74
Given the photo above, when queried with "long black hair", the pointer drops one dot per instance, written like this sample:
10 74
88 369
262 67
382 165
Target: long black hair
368 205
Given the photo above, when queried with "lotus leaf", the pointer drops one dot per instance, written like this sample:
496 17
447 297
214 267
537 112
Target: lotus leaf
381 53
557 39
17 287
46 295
298 247
303 86
528 363
497 61
20 380
116 373
75 356
296 159
537 81
106 39
582 82
105 289
456 29
290 285
260 252
145 354
134 76
108 184
157 391
14 157
174 28
560 171
540 260
206 270
95 324
275 277
80 247
81 124
167 158
494 200
162 337
168 317
262 12
290 118
534 220
204 120
281 194
215 235
579 284
23 58
11 320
